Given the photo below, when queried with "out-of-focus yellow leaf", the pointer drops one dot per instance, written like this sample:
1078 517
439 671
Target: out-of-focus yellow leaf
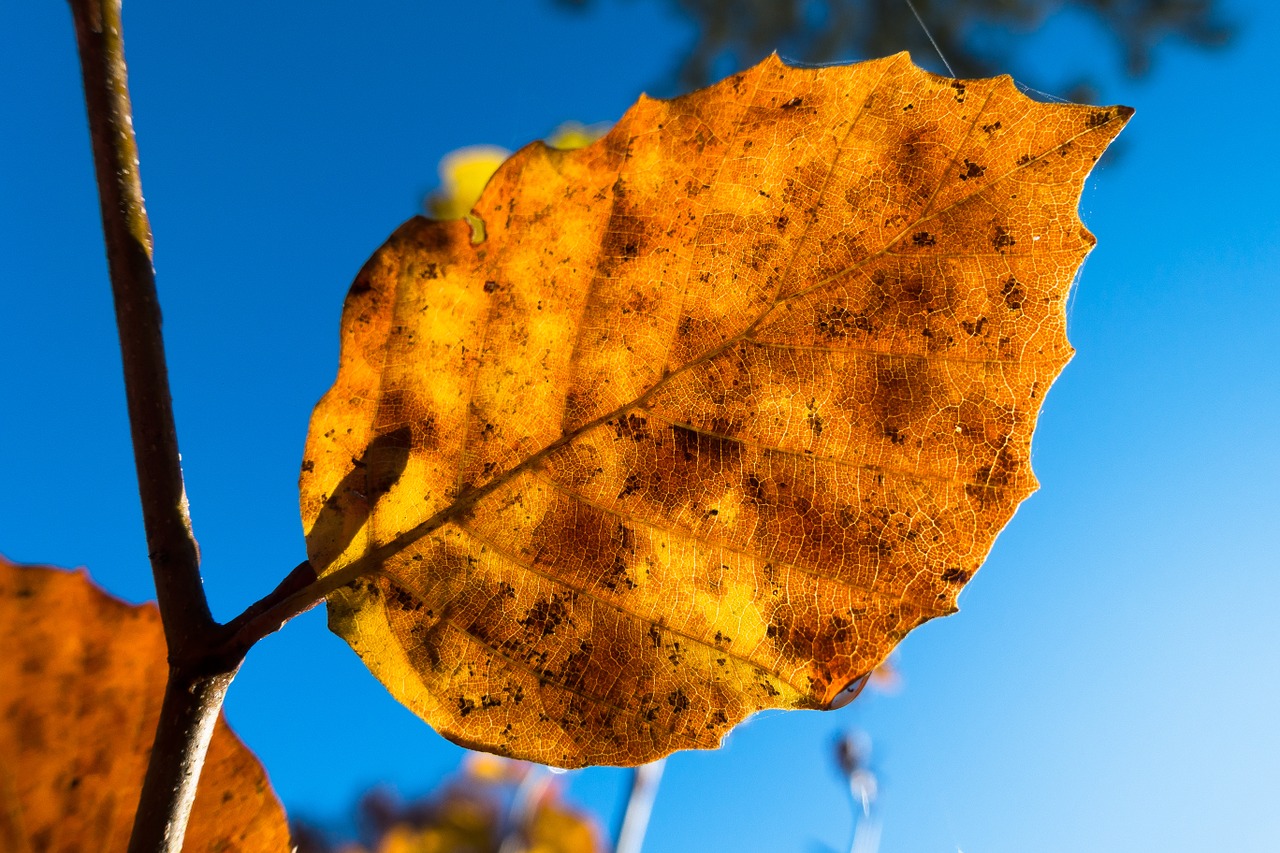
573 134
494 806
463 174
494 769
81 680
719 409
556 829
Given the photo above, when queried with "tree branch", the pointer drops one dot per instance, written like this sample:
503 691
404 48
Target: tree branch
187 716
175 559
194 694
296 594
635 819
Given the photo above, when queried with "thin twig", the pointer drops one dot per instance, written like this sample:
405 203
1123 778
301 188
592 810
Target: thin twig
269 613
295 595
187 717
635 820
194 694
175 559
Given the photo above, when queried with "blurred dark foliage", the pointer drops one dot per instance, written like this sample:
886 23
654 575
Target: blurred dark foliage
975 36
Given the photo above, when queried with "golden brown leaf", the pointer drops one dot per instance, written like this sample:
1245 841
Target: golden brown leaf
83 676
720 407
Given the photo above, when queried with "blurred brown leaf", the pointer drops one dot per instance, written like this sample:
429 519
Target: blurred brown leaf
83 676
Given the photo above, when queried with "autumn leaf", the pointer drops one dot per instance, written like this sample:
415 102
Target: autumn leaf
83 676
719 409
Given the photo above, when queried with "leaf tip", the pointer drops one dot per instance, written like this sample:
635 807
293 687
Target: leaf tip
849 692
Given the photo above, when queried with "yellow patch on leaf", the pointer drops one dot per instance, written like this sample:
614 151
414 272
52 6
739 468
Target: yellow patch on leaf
83 675
721 407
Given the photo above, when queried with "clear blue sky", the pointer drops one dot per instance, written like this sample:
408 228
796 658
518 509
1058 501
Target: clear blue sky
1110 684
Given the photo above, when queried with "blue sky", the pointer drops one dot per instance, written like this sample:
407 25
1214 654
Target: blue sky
1110 682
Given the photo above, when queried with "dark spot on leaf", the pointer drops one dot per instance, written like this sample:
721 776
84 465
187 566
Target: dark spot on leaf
577 663
923 238
618 573
1003 239
630 486
998 475
1013 294
631 426
972 170
839 322
545 616
814 419
401 598
1099 118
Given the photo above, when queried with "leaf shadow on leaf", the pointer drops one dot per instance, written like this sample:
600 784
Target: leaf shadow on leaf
372 475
